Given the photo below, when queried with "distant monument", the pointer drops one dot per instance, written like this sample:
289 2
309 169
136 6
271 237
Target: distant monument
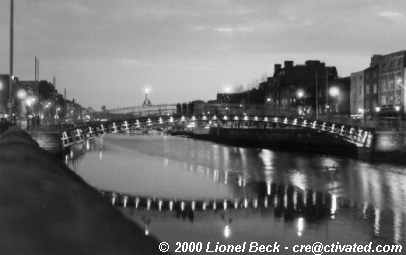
146 102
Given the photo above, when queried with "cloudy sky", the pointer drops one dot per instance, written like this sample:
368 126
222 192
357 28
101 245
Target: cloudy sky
106 52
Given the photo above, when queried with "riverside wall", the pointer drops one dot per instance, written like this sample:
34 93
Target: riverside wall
292 139
387 146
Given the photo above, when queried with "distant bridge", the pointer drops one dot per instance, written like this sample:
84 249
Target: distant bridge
146 110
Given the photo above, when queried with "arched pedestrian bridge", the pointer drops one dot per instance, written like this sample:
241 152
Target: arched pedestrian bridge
352 135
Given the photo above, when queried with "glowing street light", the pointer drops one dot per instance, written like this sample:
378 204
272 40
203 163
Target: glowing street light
300 93
397 108
334 91
21 94
147 90
227 90
30 101
268 99
377 109
47 105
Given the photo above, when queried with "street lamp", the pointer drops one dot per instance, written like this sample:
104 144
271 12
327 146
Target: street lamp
335 93
361 111
227 90
300 93
397 109
21 94
30 101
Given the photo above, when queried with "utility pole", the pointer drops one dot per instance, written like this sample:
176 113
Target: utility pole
11 76
327 92
317 94
36 62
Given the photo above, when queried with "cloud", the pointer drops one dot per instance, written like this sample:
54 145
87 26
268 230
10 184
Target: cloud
391 14
235 29
224 29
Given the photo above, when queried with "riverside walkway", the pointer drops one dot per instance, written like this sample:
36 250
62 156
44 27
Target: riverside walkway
45 208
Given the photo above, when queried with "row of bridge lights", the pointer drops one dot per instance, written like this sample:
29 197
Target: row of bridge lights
256 118
236 118
205 118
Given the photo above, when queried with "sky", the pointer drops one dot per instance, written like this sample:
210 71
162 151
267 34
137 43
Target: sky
106 52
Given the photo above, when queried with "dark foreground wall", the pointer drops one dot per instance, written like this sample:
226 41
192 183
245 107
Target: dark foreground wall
46 209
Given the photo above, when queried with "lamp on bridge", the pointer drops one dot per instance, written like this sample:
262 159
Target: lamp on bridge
147 101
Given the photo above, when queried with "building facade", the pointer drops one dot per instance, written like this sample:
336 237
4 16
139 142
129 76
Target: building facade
305 87
371 99
357 95
4 93
391 86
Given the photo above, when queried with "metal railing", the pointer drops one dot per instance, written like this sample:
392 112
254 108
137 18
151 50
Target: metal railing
361 137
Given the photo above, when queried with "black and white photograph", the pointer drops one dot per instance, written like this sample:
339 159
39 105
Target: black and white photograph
202 127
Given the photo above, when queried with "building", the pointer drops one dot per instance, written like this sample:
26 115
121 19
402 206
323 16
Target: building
357 95
391 83
4 93
302 87
252 96
371 82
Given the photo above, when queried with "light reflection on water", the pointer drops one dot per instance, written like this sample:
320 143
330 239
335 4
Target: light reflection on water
174 167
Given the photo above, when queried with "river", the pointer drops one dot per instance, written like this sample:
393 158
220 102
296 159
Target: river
367 201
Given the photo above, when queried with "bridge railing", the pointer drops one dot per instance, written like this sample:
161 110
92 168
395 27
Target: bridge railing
361 137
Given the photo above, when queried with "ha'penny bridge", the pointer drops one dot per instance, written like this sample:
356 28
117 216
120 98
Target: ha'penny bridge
351 135
286 201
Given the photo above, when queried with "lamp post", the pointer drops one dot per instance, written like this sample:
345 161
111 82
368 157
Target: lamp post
317 94
399 115
361 111
11 76
300 95
334 92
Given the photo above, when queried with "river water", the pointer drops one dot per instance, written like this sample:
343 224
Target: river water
293 197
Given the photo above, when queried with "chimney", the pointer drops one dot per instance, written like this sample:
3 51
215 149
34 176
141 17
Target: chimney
375 59
277 68
288 64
